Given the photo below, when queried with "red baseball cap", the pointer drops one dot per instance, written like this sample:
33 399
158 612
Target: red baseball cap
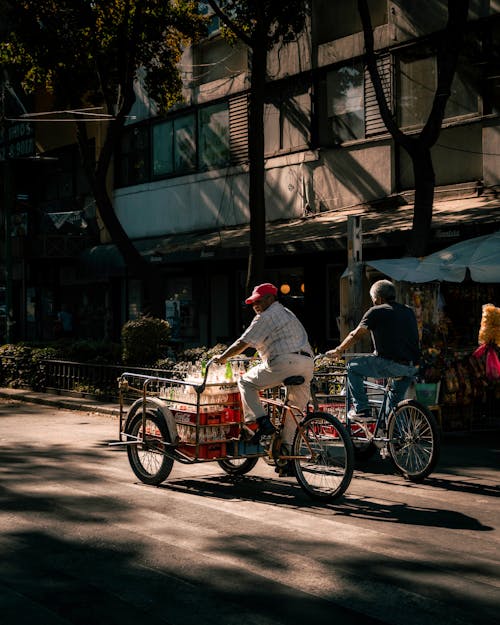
260 291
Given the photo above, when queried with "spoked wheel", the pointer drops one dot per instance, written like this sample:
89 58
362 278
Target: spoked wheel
414 444
237 466
326 467
147 458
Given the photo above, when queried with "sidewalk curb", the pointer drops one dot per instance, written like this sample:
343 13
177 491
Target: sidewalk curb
68 403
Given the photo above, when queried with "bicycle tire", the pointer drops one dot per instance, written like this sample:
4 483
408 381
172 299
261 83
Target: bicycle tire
414 443
147 459
237 466
327 474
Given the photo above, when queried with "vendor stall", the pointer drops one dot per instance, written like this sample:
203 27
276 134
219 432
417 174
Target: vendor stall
449 291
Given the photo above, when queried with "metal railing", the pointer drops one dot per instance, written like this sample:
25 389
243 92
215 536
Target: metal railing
99 380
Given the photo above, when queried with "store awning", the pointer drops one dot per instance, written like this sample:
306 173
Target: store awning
480 255
321 232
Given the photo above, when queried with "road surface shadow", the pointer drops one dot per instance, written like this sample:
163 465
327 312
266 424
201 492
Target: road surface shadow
272 492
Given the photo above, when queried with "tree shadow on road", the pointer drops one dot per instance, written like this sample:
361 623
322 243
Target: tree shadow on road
272 492
77 549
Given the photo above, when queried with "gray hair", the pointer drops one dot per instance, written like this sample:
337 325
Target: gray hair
383 289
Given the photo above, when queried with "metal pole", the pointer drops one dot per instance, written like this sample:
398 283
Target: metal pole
8 203
355 267
8 190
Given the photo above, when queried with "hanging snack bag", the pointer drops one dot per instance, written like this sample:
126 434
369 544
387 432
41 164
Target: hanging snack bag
489 331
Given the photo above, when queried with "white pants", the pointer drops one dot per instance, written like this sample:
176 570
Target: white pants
268 375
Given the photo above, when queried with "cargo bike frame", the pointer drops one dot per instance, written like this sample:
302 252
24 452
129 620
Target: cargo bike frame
407 434
192 422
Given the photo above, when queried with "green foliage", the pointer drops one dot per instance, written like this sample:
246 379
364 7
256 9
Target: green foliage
265 22
83 350
93 51
21 365
144 340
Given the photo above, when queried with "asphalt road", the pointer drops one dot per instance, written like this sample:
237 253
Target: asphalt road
82 542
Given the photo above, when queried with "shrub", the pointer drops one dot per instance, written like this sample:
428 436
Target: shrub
84 350
21 365
144 340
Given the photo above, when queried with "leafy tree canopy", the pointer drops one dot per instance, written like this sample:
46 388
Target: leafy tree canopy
91 50
248 20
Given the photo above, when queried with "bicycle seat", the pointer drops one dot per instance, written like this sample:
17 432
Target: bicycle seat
294 380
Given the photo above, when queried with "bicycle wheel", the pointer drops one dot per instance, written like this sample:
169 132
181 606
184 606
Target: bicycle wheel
147 459
325 469
237 466
414 444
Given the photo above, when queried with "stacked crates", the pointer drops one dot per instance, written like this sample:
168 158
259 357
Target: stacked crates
207 425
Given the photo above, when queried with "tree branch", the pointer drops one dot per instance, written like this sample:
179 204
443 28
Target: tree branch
371 63
229 23
447 59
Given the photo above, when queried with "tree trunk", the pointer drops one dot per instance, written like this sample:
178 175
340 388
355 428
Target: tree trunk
419 149
256 199
425 181
136 264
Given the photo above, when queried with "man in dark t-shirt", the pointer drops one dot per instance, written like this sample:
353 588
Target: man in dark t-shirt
394 332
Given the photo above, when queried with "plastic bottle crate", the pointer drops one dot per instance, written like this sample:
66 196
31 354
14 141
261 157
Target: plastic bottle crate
206 418
231 415
206 451
246 449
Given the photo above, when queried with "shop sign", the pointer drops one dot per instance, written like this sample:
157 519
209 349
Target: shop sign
447 234
19 141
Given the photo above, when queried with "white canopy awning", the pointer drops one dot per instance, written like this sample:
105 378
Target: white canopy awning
481 256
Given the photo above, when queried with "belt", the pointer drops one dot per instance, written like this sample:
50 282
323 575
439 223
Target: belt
301 353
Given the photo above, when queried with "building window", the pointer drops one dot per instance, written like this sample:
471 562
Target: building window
185 143
174 146
416 87
464 96
287 123
213 141
345 103
163 148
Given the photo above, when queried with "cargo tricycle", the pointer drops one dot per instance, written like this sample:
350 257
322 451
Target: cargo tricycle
199 419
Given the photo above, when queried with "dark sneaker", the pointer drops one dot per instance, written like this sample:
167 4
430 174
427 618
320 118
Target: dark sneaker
265 428
286 470
246 434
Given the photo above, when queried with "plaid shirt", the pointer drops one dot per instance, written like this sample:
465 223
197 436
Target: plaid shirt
276 331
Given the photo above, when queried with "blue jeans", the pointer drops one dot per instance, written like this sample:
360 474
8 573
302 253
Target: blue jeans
361 367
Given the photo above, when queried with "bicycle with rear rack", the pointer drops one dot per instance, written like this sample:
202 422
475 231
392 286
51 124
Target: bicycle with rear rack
407 434
192 421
